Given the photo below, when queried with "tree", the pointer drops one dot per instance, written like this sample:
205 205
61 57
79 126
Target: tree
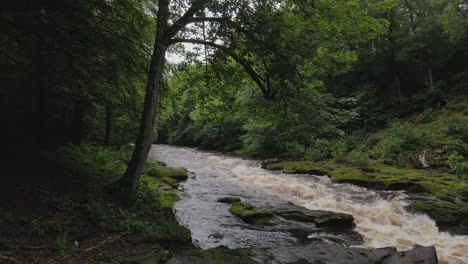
257 35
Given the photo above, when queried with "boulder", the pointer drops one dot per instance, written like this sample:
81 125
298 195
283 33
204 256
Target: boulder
337 254
229 200
419 254
249 214
319 218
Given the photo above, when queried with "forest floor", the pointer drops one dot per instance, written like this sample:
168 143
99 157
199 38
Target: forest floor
52 212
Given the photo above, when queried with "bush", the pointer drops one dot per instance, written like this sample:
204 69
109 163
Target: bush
294 150
106 163
400 141
319 150
358 158
339 150
458 164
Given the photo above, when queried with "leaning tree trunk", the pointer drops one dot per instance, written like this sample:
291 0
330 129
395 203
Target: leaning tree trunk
107 134
129 181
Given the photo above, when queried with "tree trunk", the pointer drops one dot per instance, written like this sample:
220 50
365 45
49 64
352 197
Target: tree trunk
108 126
129 181
77 122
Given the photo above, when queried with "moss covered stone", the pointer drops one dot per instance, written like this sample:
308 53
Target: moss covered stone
448 216
249 214
171 182
229 200
157 170
298 167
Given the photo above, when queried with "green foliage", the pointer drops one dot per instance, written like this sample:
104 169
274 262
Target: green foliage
339 150
358 158
401 140
105 163
44 227
150 218
457 163
61 244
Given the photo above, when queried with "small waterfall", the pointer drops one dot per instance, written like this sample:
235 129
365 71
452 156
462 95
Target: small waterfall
381 217
422 160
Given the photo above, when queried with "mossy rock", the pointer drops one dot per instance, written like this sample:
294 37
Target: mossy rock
298 167
249 214
159 171
229 200
171 182
448 216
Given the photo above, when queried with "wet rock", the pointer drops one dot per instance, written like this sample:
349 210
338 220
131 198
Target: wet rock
419 254
319 218
229 200
249 214
336 254
335 220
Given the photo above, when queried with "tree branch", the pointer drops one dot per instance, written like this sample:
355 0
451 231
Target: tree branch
245 64
185 18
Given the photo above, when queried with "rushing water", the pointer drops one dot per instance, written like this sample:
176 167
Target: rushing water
380 216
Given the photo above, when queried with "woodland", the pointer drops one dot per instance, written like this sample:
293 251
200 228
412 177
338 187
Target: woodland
368 92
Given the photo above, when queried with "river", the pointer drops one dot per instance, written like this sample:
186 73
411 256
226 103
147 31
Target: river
381 217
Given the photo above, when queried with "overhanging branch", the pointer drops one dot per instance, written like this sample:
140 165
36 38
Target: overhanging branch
245 64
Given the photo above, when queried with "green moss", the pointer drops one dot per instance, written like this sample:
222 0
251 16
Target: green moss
434 183
154 169
150 218
229 200
444 213
171 182
249 214
298 167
